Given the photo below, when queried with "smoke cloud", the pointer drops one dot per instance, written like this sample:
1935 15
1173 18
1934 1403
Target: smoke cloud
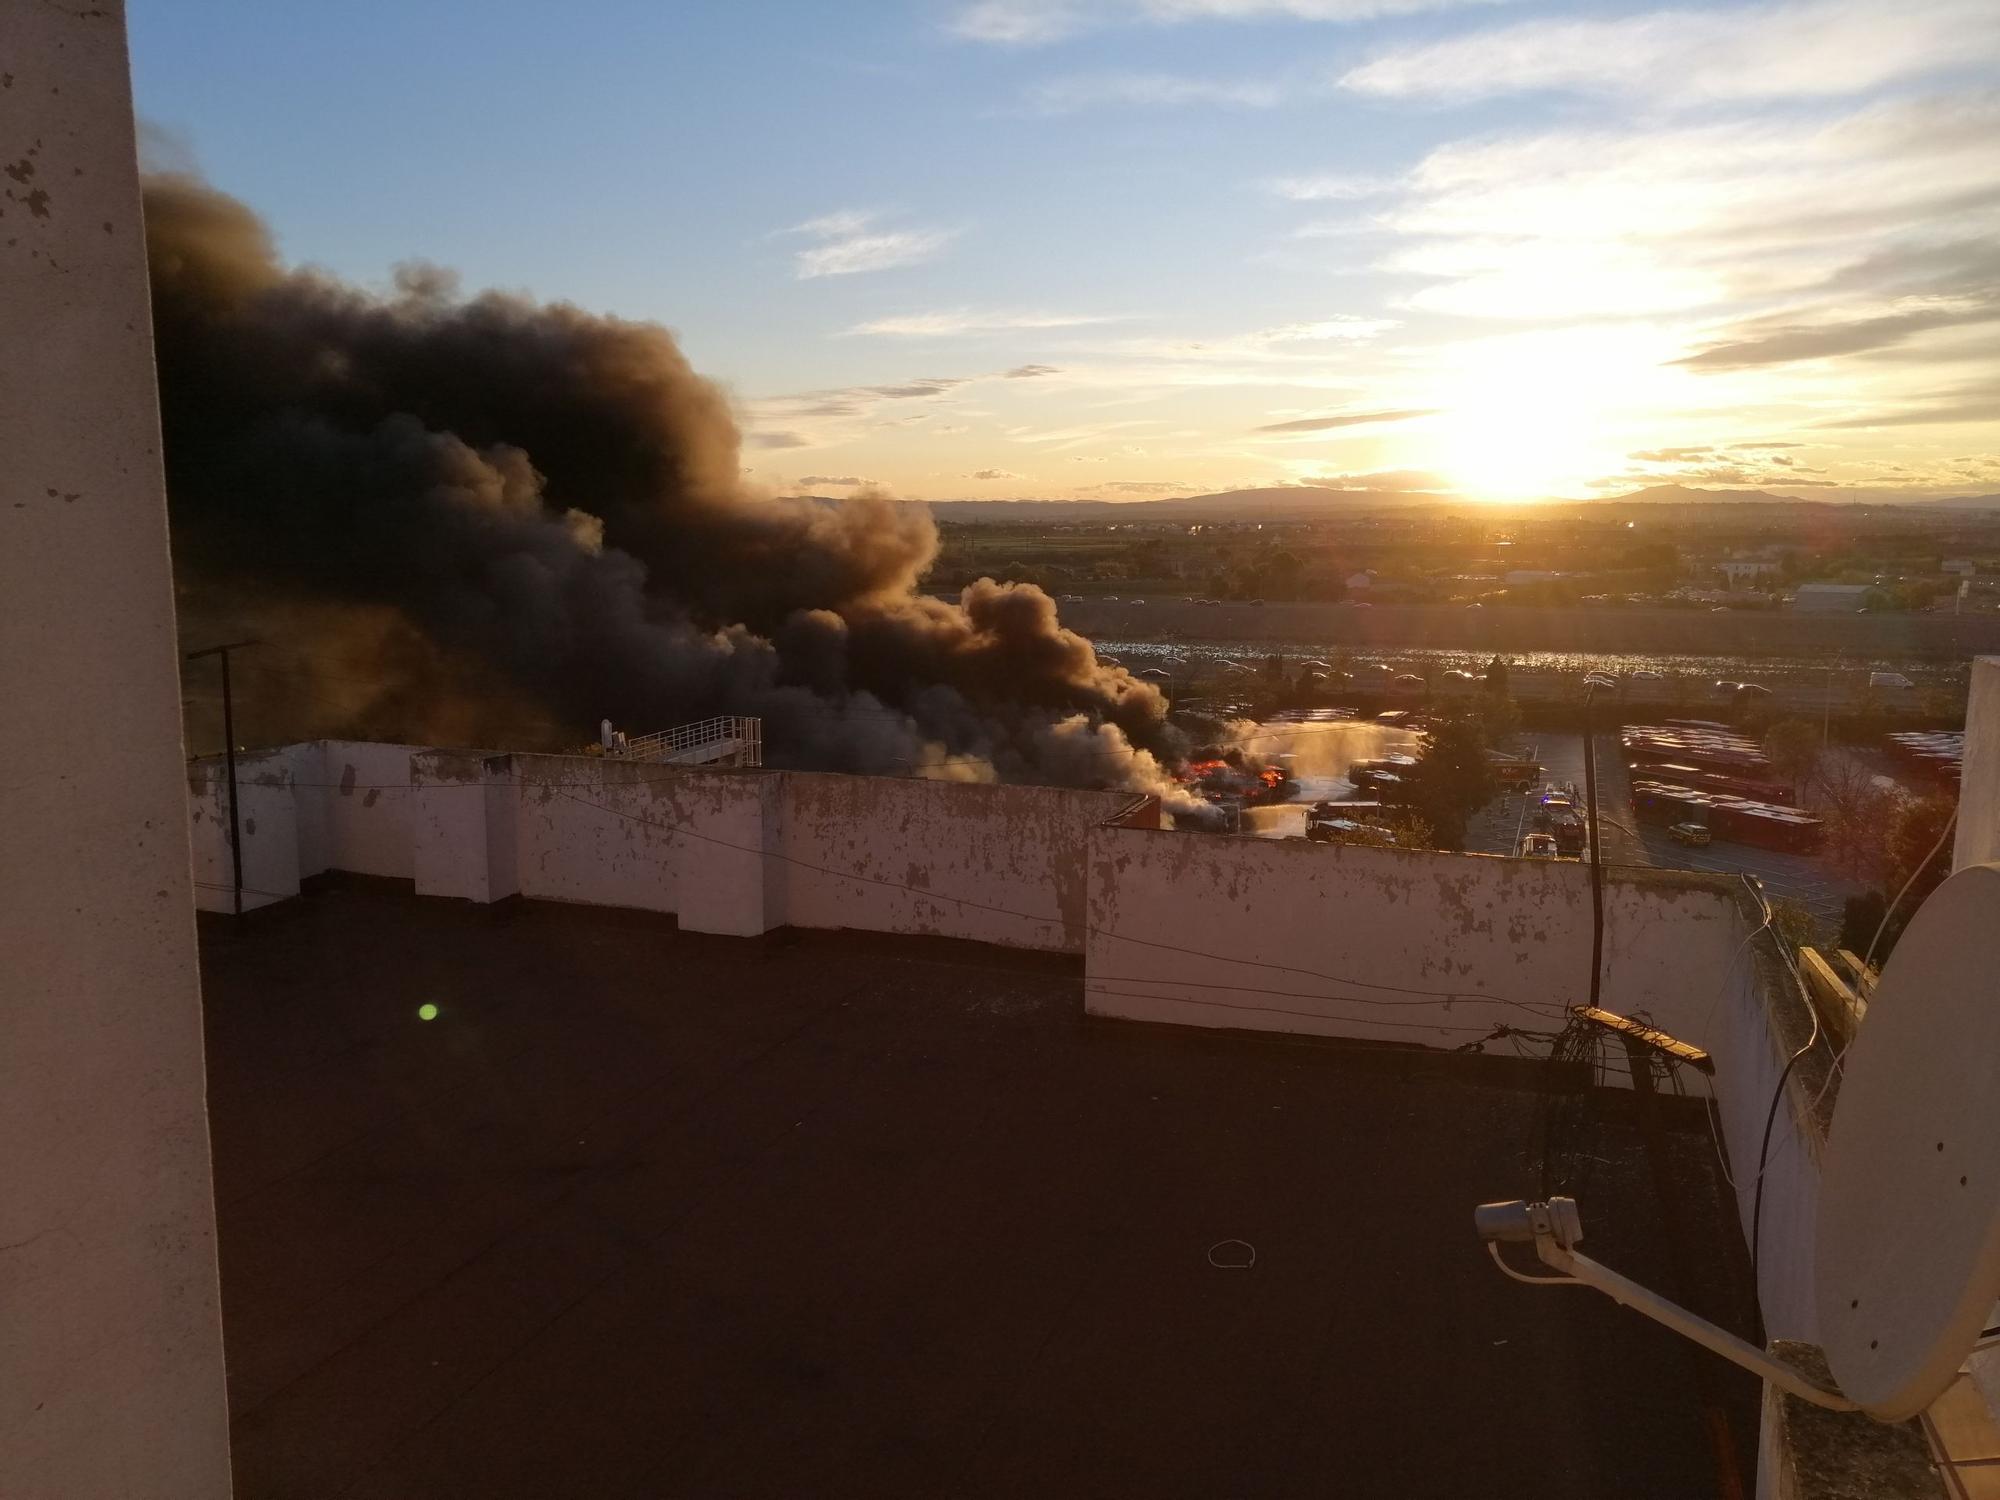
483 510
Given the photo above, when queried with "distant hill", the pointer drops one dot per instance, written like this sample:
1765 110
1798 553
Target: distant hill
1682 494
1297 502
1288 501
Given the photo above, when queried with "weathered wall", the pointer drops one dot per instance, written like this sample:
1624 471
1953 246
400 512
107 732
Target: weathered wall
267 811
110 1331
1978 840
462 817
996 864
364 793
697 843
1388 944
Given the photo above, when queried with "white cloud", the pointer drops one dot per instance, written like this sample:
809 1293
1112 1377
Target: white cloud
1328 187
1020 22
1028 23
1085 91
1823 48
1624 223
849 245
835 225
965 320
993 474
1342 329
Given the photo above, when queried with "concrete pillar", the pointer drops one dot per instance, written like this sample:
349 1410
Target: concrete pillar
462 826
728 877
110 1335
1978 838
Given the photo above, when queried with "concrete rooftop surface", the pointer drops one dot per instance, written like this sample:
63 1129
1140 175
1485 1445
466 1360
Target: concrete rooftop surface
643 1212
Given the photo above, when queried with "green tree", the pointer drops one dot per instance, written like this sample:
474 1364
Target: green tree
1499 718
1451 781
1793 746
1918 830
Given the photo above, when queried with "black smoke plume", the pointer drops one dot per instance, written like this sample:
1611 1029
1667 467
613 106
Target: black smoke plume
483 511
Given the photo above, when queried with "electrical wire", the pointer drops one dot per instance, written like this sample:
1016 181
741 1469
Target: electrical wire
1777 1094
1493 1249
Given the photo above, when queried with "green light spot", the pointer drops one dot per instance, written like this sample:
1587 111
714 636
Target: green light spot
427 1012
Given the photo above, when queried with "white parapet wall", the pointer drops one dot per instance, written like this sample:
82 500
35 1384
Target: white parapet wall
1978 838
268 808
995 864
1397 945
726 851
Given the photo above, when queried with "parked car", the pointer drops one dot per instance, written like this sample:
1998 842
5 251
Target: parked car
1695 834
1539 846
1647 674
1601 680
1406 682
1752 690
1724 687
1895 681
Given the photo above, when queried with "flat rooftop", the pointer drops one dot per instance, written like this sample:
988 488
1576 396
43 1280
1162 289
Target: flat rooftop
644 1212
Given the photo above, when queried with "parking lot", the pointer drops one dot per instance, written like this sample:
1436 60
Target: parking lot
1497 829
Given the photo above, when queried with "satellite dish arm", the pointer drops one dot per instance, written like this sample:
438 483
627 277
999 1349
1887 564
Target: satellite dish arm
1554 1226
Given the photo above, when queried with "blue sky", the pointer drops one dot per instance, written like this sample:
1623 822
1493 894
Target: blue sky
1500 248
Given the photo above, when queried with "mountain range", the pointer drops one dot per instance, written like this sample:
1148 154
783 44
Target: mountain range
1302 502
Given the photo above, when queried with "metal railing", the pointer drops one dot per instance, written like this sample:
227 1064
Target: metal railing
730 739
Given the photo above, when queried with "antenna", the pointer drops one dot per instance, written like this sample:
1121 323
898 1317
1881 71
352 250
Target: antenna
1908 1256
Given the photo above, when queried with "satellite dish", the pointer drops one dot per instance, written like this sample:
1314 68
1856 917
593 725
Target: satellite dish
1908 1260
1908 1257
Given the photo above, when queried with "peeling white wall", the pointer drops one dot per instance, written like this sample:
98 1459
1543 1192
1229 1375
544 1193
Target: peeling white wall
364 791
995 864
1394 945
268 814
110 1329
600 832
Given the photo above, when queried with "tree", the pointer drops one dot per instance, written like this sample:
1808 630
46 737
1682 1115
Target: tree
1499 717
1793 746
1451 781
1917 833
1496 677
1853 808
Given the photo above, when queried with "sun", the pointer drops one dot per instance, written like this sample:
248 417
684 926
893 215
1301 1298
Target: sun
1529 416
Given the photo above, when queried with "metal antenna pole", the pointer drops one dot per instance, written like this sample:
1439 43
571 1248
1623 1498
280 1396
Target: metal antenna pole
1596 850
229 761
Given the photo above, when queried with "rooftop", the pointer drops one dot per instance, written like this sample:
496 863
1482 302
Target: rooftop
643 1211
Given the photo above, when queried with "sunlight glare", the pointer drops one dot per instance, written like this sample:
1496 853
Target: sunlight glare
1528 416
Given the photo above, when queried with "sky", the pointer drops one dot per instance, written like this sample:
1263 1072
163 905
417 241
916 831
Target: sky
1125 249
